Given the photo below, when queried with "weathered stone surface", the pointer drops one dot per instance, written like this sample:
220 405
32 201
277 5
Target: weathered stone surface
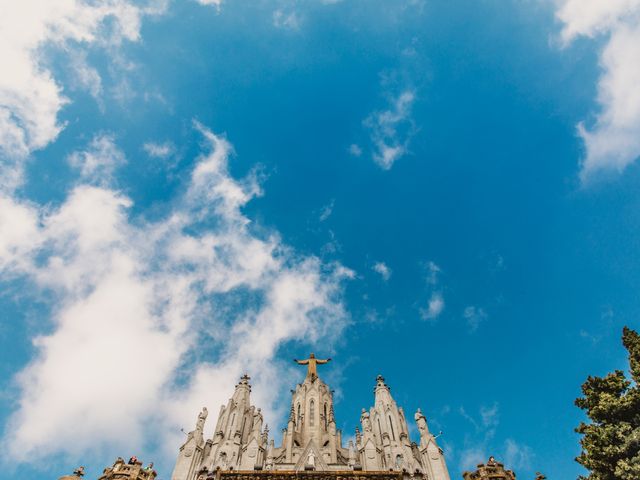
492 470
311 443
128 471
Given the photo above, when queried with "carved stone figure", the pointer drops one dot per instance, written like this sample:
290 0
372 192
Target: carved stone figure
201 419
365 420
257 422
312 361
311 459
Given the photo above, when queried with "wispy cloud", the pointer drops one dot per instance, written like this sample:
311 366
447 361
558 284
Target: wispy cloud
391 129
159 150
355 150
433 272
435 304
480 442
326 211
382 269
474 317
290 20
99 161
31 96
434 308
614 141
517 456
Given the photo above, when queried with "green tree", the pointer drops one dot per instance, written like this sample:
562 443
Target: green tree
611 440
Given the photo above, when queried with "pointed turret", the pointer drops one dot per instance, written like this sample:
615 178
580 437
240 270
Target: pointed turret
432 457
312 426
192 450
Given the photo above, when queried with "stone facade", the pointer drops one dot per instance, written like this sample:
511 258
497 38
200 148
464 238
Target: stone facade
311 442
132 470
492 470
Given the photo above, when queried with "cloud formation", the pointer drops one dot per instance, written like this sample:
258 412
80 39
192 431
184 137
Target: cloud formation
613 142
392 129
382 269
149 321
434 308
474 317
159 150
99 160
30 97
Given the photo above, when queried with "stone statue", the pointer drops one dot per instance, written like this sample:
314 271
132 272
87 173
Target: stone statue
223 461
366 421
421 421
79 472
311 459
312 361
257 423
540 476
201 419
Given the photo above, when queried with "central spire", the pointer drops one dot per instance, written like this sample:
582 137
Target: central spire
312 361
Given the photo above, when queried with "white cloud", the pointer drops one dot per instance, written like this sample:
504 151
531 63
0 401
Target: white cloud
474 317
472 456
614 141
30 98
214 3
517 456
479 442
383 270
288 20
327 210
489 415
434 307
99 160
355 150
138 307
433 270
391 129
159 150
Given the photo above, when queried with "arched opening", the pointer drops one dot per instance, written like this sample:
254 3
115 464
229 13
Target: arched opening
326 421
312 413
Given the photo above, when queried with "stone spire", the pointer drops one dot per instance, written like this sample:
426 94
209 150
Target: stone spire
312 424
311 439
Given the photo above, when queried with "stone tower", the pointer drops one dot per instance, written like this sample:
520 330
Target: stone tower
311 442
385 445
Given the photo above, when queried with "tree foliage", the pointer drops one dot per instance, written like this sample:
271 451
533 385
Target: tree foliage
611 440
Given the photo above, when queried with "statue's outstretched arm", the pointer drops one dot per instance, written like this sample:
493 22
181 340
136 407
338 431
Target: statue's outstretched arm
321 362
301 362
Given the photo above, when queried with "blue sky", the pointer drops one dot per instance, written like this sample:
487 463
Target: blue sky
442 192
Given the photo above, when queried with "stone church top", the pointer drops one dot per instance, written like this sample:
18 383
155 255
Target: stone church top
311 440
